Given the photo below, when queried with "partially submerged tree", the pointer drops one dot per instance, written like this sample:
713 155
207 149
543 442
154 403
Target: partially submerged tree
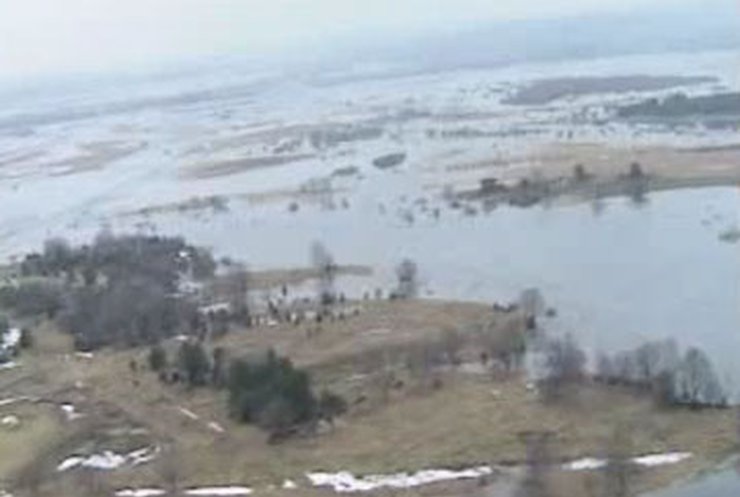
407 274
327 269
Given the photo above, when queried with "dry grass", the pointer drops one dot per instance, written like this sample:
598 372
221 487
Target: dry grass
235 166
472 419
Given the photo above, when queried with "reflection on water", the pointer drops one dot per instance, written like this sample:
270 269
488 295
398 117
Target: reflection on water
616 278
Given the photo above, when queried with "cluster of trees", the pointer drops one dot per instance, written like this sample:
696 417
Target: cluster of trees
564 365
268 391
659 368
116 290
680 105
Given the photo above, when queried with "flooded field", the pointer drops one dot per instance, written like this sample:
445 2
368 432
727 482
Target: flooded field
259 172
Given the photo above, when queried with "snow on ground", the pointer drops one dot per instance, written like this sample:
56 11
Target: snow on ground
662 459
10 421
187 412
345 482
648 461
216 427
10 339
8 365
140 492
289 485
109 460
227 491
70 411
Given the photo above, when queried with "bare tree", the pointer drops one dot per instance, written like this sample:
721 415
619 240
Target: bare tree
564 364
697 382
327 269
506 342
408 284
452 341
235 285
532 302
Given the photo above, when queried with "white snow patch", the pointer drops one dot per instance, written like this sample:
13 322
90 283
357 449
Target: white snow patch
8 365
651 460
345 482
10 421
84 355
9 401
585 464
70 411
216 427
69 463
190 414
140 492
289 485
109 460
219 491
10 339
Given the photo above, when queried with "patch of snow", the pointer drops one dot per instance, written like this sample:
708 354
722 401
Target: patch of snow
140 492
190 414
345 482
108 460
3 493
182 338
651 460
216 427
70 411
8 365
585 464
143 456
10 421
69 463
9 401
10 339
289 485
219 491
84 355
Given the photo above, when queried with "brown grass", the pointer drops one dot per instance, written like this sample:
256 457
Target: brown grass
472 419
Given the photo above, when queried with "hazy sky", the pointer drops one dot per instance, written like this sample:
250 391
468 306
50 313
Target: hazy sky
59 35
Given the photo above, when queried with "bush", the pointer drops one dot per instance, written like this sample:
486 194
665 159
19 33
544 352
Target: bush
157 358
272 393
331 406
193 362
33 298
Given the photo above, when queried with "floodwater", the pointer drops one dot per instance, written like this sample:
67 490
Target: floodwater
617 273
722 483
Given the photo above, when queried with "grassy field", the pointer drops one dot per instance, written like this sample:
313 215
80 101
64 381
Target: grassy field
474 418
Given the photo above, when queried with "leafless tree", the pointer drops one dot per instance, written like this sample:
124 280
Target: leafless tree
452 341
564 364
327 268
697 382
532 302
408 284
235 284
